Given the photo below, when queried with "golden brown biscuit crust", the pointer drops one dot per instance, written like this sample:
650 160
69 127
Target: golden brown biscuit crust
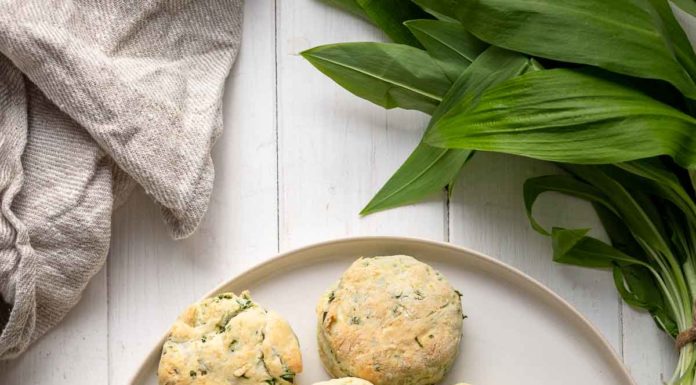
345 381
229 340
390 320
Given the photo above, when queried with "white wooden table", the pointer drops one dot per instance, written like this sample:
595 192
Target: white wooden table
298 159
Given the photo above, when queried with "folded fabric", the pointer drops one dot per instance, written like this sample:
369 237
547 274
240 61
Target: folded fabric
96 96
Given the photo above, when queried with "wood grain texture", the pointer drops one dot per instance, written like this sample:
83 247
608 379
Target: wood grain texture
649 354
335 150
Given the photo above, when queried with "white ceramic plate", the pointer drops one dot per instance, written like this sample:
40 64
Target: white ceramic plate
517 332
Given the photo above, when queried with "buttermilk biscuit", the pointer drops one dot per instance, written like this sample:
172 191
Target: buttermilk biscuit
345 381
390 320
229 340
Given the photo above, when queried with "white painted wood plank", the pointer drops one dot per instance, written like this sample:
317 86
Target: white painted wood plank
153 278
648 353
336 150
75 352
487 214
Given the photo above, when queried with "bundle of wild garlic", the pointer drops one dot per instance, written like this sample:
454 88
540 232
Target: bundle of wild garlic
605 89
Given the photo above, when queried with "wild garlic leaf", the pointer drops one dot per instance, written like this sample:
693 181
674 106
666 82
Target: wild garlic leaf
441 9
655 170
574 247
688 6
449 43
568 116
390 15
638 288
492 67
645 194
428 169
635 212
636 284
675 37
628 37
565 184
387 15
390 75
595 184
660 182
633 277
618 209
619 234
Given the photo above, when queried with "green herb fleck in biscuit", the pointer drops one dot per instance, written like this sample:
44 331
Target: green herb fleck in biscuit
390 320
229 340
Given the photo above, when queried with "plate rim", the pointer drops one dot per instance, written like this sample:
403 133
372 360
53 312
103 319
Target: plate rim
546 291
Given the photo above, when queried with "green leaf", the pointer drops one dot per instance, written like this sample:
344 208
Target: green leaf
389 16
390 75
661 183
593 184
622 213
675 37
567 116
440 7
628 37
642 191
639 215
655 170
633 276
428 169
351 6
688 6
564 184
492 67
642 217
440 12
638 288
619 234
449 43
573 247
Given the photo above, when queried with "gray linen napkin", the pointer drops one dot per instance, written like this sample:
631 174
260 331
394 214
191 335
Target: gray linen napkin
95 96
